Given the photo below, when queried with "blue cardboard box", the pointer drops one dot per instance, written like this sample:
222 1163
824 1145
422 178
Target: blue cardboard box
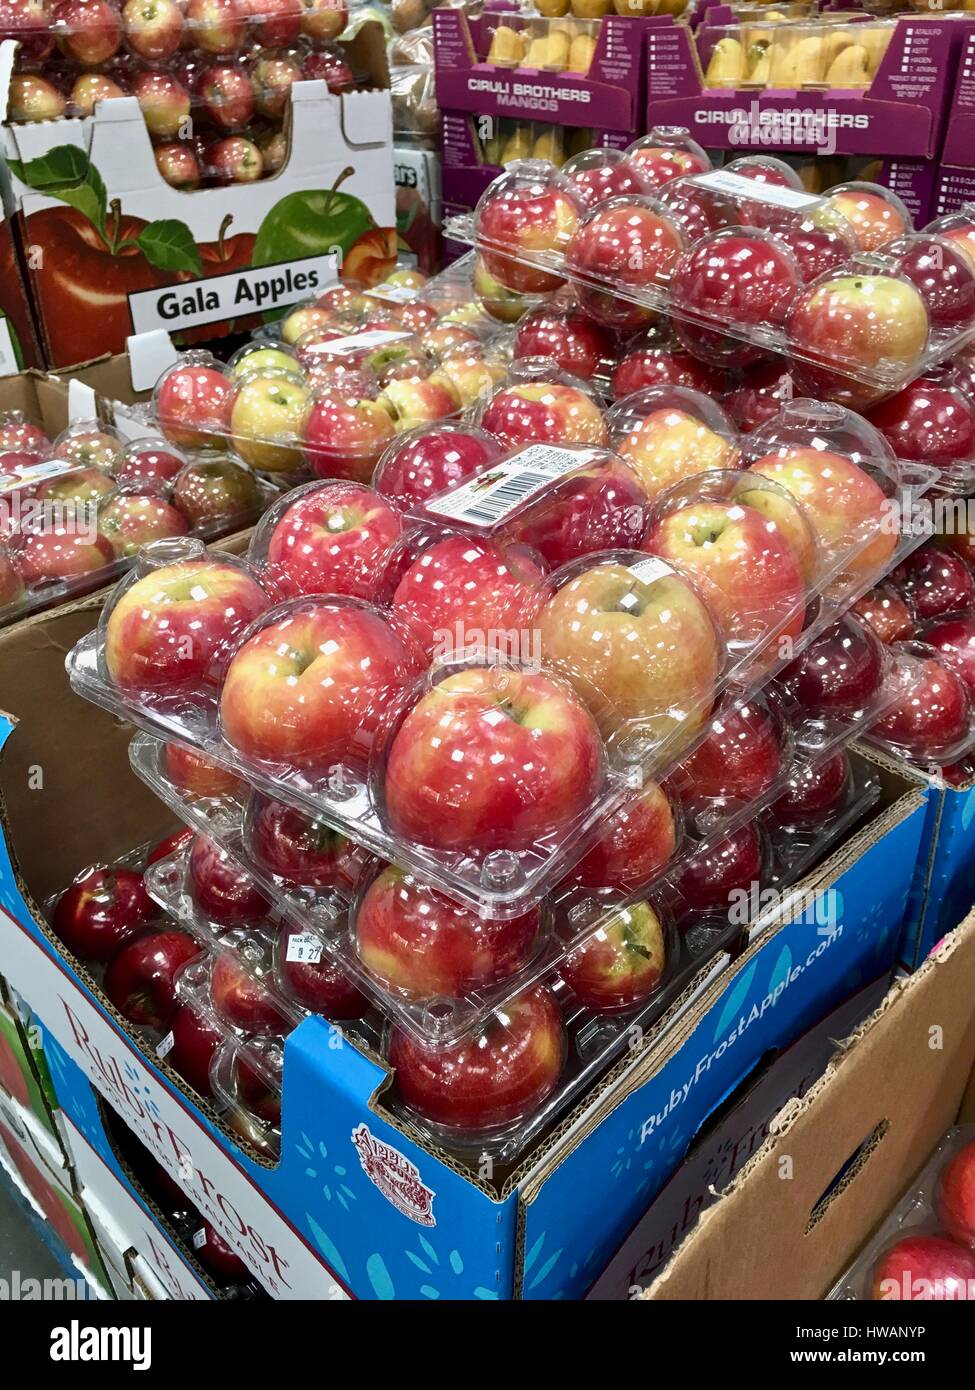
358 1205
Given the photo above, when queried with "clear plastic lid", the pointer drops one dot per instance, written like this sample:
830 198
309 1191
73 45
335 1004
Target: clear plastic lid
666 153
604 173
668 433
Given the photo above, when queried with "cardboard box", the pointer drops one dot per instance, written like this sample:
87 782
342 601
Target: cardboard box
879 1110
419 207
18 339
608 96
20 1076
959 146
725 1143
942 890
212 261
902 113
955 188
357 1204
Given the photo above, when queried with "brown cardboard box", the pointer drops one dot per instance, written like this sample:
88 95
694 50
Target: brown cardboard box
786 1228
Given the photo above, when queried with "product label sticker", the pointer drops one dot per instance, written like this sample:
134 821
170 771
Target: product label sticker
395 1176
393 294
723 182
28 475
650 569
165 1047
304 949
199 1238
360 342
492 496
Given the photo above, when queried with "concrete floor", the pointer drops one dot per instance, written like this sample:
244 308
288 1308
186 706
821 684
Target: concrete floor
20 1246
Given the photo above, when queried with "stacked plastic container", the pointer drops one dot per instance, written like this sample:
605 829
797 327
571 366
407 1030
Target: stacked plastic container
500 733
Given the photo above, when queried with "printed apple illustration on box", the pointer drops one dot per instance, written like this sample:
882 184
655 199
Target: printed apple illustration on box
89 253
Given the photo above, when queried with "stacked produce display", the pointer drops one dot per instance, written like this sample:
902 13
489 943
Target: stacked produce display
506 717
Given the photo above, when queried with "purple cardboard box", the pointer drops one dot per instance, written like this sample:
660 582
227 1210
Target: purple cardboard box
956 187
900 114
610 95
959 147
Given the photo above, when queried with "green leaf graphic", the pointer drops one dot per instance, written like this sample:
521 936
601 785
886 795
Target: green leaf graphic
66 173
169 245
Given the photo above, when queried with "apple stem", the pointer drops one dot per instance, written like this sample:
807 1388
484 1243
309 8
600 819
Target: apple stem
346 173
113 225
222 236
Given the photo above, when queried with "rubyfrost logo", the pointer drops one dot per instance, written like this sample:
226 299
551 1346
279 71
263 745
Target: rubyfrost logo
396 1177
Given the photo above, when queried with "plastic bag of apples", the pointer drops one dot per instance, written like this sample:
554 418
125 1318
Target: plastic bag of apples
925 1250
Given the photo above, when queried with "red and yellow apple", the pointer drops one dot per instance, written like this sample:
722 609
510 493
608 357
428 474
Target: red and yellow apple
332 539
619 963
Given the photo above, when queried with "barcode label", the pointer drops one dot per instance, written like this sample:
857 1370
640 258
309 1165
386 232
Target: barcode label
304 949
493 495
723 182
28 474
359 342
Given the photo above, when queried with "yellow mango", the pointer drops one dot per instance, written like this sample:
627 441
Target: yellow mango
507 46
549 146
552 9
851 68
581 53
519 145
727 65
759 63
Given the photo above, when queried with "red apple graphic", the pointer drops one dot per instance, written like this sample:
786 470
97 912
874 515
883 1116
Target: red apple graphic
12 1078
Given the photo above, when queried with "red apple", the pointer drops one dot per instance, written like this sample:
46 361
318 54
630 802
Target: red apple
102 911
839 673
859 323
242 996
924 1268
845 505
234 160
640 647
273 75
815 792
931 720
696 211
227 96
619 963
462 592
526 215
492 759
28 23
300 849
760 394
274 22
175 843
885 611
816 249
195 1040
954 640
931 421
706 880
192 403
744 566
195 773
638 841
344 433
217 1255
735 277
626 243
602 507
174 627
570 338
221 888
537 411
317 984
415 400
153 28
78 486
944 275
738 760
90 88
88 31
216 26
669 433
875 215
420 465
31 97
324 19
328 65
597 175
651 363
178 164
141 980
956 1196
333 538
499 1074
165 103
667 153
148 461
131 520
420 944
310 688
61 549
88 447
21 435
935 582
